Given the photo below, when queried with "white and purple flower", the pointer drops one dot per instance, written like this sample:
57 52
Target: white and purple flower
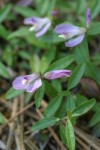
32 82
39 25
72 33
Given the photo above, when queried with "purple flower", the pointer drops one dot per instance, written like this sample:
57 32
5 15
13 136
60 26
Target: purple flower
73 33
40 25
24 3
57 74
88 18
32 82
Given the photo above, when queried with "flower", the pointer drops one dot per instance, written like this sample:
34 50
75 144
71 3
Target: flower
88 18
40 25
32 82
57 74
73 33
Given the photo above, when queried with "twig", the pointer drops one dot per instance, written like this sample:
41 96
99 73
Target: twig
20 126
12 125
17 114
81 143
82 135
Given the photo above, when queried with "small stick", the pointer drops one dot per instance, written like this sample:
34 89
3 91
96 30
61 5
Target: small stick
12 125
81 142
16 115
20 126
82 135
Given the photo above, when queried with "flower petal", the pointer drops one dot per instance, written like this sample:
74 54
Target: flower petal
66 28
57 74
23 82
75 41
88 17
34 86
43 30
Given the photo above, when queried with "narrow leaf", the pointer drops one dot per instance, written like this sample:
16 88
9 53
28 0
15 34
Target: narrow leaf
61 63
76 76
83 108
70 135
53 106
3 71
44 123
13 93
39 96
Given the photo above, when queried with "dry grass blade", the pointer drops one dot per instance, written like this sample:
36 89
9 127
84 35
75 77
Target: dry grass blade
12 125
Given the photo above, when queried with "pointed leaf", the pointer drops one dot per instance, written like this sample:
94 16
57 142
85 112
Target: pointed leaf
13 93
61 63
44 123
70 135
76 76
53 106
83 108
39 96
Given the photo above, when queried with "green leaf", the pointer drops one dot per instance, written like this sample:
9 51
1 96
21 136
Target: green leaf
53 106
3 32
2 118
62 134
4 12
70 103
22 11
95 119
94 29
70 135
83 108
76 76
96 8
61 63
3 71
50 90
39 96
44 123
82 52
21 32
13 93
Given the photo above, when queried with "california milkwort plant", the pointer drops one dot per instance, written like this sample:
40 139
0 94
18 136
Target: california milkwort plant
51 83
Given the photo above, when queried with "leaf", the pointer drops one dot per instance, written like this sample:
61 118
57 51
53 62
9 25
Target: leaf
13 93
2 118
3 71
50 90
94 29
39 96
96 9
53 106
70 103
44 123
95 119
4 12
61 63
83 108
3 32
82 52
70 135
76 76
21 32
62 134
22 11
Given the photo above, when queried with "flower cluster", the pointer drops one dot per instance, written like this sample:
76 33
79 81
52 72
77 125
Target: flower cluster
32 82
72 33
